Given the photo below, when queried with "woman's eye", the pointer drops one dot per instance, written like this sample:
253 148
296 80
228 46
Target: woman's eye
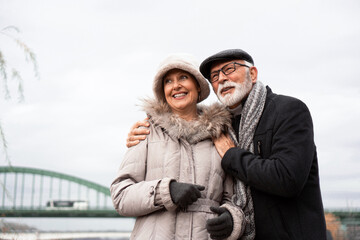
167 81
183 77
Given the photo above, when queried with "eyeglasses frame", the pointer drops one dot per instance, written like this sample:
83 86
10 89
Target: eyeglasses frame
222 70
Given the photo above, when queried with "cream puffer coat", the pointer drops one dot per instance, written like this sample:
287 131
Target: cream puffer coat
182 151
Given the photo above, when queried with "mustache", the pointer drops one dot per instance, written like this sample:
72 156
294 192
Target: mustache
225 85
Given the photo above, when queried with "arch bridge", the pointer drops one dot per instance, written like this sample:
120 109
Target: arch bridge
32 192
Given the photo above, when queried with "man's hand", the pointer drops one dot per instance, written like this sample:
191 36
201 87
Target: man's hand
221 226
184 194
223 143
138 133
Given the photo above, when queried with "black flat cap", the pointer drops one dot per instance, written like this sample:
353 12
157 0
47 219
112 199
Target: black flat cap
225 55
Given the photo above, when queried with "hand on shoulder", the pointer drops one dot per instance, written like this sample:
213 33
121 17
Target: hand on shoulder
138 133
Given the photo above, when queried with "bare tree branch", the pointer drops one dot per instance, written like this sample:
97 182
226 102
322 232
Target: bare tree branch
15 75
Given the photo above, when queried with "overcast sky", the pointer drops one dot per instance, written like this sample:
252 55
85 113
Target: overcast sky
97 58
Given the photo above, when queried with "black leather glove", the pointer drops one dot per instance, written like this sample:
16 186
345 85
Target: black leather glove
184 194
221 226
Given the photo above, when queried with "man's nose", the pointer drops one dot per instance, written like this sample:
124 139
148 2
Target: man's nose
222 77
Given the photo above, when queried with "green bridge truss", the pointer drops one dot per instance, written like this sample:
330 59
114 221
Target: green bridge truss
18 208
17 194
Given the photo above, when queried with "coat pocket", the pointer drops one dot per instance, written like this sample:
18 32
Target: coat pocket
279 224
262 144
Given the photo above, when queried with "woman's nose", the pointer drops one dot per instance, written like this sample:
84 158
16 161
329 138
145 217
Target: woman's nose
176 84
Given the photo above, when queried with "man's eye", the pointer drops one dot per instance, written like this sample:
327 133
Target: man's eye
229 69
215 75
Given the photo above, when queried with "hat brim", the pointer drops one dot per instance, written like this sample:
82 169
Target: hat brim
158 80
226 55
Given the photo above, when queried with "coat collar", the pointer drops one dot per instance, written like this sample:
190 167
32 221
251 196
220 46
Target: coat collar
212 121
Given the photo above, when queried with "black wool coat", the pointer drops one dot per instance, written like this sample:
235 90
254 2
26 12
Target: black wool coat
282 173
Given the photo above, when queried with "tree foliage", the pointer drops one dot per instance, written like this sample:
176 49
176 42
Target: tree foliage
9 72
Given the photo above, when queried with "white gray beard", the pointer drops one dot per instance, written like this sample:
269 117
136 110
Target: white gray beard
241 90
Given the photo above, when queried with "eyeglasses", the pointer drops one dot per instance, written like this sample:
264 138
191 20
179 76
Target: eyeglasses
227 69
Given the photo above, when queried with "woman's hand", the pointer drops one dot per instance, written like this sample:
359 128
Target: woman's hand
184 194
138 133
221 226
223 143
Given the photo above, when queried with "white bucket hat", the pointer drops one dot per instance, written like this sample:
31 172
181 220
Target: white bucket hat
185 62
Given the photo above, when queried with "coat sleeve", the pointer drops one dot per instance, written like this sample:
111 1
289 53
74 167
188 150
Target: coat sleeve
236 212
132 196
285 171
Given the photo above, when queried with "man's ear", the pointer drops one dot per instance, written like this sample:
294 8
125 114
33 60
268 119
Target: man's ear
253 74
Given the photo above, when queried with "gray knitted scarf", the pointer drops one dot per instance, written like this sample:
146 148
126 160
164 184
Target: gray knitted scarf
250 116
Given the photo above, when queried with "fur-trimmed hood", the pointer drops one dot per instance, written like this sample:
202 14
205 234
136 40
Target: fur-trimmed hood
212 121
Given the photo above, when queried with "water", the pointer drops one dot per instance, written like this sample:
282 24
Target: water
74 224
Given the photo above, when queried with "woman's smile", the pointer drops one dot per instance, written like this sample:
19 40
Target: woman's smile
180 95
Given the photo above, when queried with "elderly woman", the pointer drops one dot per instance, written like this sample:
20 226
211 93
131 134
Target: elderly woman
173 182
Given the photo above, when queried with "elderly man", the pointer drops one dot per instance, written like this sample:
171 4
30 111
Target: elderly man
271 151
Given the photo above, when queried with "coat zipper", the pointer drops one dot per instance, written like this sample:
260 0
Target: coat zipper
259 147
191 162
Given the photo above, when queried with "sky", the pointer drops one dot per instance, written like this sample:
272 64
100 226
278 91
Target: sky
97 59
